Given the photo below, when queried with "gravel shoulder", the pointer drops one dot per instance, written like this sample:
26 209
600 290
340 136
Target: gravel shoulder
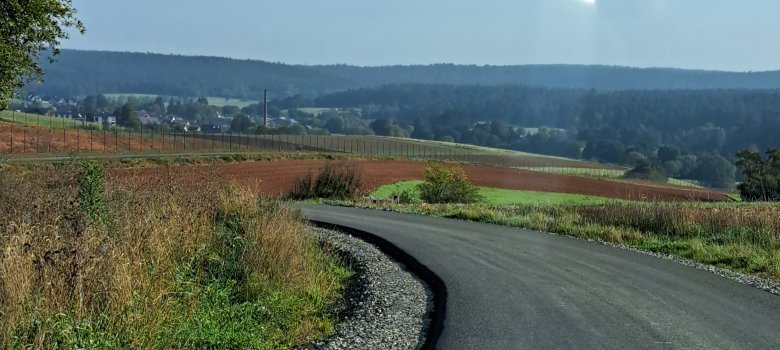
385 306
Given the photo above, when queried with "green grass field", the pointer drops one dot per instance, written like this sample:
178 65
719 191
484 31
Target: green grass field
214 101
128 94
500 196
616 174
534 131
601 173
221 101
40 120
312 110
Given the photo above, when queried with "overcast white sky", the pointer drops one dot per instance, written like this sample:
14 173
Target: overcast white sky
738 35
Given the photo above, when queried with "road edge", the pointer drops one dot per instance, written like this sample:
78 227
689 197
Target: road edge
436 284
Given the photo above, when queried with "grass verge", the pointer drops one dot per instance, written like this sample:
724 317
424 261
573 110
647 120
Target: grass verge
736 236
153 266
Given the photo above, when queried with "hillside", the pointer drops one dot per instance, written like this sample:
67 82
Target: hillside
89 72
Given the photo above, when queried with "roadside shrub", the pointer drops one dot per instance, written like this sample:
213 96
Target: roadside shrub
443 185
334 181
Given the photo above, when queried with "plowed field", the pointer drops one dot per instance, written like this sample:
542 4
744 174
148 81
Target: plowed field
275 178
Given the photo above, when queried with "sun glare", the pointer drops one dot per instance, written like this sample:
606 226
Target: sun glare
589 2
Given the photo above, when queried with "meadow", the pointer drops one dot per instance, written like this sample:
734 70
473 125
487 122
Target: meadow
42 121
213 100
88 262
603 173
496 196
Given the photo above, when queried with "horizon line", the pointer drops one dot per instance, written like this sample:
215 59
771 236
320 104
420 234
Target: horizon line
430 64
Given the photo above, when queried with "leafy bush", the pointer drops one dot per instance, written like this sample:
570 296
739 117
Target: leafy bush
647 170
407 196
339 181
443 185
762 176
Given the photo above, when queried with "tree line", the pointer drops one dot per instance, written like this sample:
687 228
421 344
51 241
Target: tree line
693 134
80 73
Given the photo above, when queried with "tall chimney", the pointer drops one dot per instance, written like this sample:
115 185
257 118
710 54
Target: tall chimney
265 108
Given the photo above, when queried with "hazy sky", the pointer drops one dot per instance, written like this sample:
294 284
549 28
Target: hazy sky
734 35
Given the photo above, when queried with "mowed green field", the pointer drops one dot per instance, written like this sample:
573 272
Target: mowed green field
500 196
240 103
214 101
40 120
128 94
610 174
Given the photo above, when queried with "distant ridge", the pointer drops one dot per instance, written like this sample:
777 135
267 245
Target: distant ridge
79 73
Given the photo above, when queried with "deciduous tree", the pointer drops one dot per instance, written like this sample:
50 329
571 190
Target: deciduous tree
27 29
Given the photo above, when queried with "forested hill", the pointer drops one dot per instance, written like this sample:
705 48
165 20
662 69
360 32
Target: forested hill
90 72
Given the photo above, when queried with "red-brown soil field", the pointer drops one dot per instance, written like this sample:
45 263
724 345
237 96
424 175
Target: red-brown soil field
276 178
28 140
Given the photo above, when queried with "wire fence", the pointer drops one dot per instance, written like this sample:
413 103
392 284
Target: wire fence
27 140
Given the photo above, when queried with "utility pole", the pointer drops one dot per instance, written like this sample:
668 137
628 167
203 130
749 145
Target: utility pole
265 108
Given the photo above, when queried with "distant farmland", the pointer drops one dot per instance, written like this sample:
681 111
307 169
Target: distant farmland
20 139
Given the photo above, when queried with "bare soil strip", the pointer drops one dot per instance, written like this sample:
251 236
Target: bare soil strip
277 178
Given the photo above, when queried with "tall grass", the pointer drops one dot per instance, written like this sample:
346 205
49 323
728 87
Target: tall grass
212 268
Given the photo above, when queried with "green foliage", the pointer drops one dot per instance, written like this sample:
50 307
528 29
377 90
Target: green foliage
28 28
761 176
91 192
713 171
386 127
646 170
339 181
443 185
127 116
226 77
240 123
408 197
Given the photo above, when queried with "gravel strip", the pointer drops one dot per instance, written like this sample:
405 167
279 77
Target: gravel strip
385 306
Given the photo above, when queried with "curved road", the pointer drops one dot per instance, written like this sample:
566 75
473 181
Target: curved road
515 289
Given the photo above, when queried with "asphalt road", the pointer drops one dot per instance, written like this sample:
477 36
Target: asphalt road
515 289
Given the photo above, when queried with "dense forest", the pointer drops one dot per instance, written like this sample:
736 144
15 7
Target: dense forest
81 73
685 133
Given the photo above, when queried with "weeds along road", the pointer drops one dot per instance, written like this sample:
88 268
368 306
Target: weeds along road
514 289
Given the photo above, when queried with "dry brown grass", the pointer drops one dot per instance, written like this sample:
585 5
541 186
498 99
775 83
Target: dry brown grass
144 276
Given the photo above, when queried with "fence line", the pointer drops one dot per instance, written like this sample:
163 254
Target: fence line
23 140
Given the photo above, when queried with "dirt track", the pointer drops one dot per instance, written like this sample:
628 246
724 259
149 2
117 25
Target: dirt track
276 178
